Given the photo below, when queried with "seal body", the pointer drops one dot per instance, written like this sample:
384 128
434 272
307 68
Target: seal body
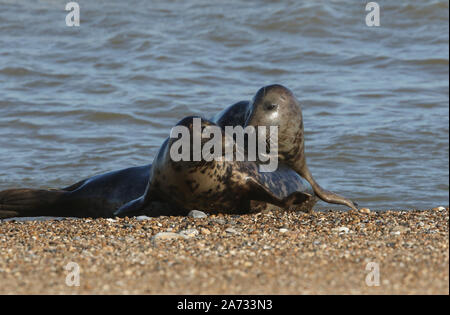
219 185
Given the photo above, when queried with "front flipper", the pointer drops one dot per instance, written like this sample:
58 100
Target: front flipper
295 200
132 208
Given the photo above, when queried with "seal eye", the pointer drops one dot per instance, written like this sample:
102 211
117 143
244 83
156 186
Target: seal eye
270 106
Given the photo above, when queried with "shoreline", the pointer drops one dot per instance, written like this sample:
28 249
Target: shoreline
273 252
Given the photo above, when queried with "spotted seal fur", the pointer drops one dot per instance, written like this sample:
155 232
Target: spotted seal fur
219 185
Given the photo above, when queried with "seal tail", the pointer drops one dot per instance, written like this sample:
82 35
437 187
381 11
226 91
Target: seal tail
326 195
31 202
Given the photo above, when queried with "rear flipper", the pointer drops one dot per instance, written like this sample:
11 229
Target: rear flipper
32 202
132 208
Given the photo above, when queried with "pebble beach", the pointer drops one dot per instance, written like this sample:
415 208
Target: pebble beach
273 252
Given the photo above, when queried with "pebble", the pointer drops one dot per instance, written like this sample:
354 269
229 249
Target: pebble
167 236
364 210
189 232
205 231
220 221
341 230
197 214
142 218
231 231
283 230
399 229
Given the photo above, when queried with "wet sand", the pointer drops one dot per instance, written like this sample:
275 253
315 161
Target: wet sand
267 253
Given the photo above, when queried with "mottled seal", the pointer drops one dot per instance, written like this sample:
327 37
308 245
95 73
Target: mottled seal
276 105
220 185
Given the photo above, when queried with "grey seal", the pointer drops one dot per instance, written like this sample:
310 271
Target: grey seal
219 185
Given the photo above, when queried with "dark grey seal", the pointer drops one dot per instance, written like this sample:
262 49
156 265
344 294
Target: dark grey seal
219 185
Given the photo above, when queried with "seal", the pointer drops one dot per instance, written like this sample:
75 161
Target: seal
219 185
276 105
